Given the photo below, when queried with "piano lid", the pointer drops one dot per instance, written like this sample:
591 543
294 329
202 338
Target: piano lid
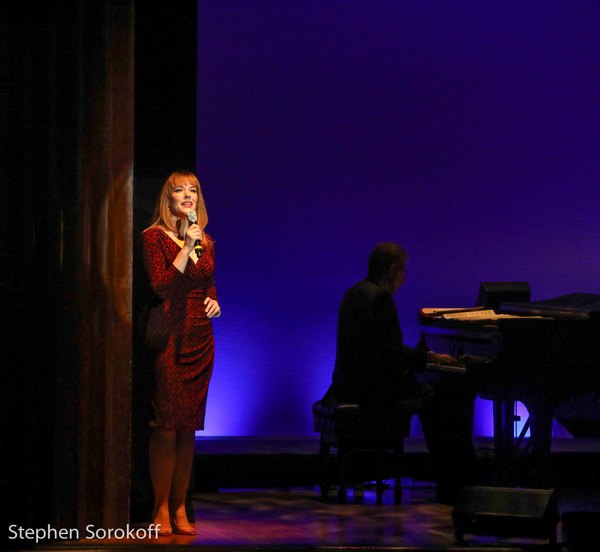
572 305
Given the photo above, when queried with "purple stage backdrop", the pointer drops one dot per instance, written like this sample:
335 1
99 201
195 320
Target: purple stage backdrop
467 131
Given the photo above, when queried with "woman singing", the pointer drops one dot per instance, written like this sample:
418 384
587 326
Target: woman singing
179 259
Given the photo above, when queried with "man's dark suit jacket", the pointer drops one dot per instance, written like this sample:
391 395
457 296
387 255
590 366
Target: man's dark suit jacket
373 367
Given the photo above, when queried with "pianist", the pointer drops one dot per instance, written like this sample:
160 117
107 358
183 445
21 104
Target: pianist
376 370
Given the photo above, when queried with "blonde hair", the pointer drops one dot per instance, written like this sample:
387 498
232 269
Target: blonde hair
162 212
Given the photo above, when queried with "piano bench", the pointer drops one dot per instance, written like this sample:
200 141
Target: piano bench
354 432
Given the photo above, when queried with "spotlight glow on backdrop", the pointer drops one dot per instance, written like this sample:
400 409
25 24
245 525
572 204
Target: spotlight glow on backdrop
466 131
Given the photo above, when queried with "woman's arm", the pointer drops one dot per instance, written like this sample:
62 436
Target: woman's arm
165 278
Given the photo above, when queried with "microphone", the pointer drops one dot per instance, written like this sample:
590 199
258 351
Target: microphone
193 219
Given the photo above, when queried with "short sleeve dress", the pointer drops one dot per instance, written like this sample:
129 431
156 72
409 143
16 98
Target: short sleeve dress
185 360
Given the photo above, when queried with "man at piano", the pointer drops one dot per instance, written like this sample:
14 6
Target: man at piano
375 369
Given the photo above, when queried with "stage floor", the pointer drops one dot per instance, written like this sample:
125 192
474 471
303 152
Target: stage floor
259 515
296 519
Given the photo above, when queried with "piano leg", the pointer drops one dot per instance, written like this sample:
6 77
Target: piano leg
540 416
509 427
498 431
539 444
504 438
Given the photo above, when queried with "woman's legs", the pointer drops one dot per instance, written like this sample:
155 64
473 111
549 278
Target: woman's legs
171 460
181 478
162 466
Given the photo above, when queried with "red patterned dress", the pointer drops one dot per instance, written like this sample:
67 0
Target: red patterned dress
185 362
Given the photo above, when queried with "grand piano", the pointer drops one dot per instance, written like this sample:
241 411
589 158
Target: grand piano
541 353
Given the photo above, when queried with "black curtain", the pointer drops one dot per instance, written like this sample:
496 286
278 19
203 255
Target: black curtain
55 79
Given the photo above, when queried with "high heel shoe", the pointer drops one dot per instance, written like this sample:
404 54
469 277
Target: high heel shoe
180 531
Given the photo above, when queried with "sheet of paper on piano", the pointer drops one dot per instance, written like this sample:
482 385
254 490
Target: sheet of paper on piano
438 311
469 313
